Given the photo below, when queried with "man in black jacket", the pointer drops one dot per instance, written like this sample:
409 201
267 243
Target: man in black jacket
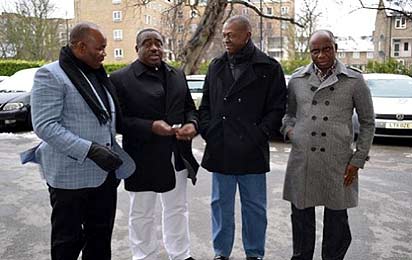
243 102
159 121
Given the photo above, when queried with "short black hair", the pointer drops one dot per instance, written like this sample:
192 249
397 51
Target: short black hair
242 20
139 35
324 31
81 31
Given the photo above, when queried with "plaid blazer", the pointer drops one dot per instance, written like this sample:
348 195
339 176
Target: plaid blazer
67 127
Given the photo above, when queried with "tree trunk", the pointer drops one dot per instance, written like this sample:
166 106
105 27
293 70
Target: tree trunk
206 30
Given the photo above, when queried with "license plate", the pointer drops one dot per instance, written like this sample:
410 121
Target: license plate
399 125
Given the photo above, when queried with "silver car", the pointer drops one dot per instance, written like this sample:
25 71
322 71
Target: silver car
392 102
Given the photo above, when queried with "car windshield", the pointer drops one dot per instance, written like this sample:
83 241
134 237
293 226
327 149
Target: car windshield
392 88
21 81
195 86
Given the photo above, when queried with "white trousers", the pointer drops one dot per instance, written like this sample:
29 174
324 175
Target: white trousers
175 222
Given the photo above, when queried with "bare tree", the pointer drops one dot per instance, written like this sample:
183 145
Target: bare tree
402 7
308 17
209 25
29 32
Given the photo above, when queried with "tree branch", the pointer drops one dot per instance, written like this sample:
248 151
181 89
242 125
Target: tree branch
260 13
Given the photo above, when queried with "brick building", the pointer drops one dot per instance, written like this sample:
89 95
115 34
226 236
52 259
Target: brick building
121 20
393 32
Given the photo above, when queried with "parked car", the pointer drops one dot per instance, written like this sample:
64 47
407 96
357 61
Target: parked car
195 83
3 78
15 98
392 102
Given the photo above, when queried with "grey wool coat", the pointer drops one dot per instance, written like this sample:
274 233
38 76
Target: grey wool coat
320 117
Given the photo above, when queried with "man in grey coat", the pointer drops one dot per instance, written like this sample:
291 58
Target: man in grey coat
323 166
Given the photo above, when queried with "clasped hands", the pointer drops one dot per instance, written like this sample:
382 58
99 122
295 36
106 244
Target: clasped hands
184 133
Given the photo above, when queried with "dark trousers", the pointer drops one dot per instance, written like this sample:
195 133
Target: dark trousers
82 220
336 233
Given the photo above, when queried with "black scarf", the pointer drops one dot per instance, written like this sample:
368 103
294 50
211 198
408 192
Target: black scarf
71 66
243 55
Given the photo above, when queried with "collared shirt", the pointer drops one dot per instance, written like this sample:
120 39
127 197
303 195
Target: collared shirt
323 76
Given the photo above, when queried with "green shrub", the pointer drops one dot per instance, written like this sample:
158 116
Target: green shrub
110 67
390 66
289 66
9 67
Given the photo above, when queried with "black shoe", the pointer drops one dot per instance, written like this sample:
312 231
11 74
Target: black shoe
254 258
220 257
190 258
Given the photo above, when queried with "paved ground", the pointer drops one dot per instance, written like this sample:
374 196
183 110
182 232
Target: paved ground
381 225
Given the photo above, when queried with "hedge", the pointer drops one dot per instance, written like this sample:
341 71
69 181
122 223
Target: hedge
9 67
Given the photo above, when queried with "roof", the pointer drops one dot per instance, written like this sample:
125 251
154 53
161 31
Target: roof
355 44
400 5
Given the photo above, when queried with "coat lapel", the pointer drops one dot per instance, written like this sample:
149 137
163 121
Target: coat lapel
247 77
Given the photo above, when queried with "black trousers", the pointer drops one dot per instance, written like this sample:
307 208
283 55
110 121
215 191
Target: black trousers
336 233
82 220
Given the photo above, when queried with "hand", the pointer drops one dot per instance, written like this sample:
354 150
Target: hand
162 128
104 157
186 133
351 174
290 134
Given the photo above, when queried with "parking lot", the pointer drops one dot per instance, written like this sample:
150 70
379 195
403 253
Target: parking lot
381 225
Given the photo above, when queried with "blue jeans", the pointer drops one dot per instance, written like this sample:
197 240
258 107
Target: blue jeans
252 190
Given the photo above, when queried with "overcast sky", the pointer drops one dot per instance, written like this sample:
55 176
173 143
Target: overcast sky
343 19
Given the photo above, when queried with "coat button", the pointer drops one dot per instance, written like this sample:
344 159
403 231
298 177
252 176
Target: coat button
239 100
322 149
313 149
225 99
323 134
332 88
107 144
314 102
325 118
327 103
224 117
313 88
313 133
313 117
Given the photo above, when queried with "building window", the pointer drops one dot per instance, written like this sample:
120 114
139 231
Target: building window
180 44
269 10
193 14
406 46
116 2
269 25
284 10
180 28
396 47
118 35
402 62
245 11
355 55
369 55
179 14
117 16
341 55
147 19
400 23
118 53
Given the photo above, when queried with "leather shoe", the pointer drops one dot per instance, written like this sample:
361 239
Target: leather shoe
190 258
220 257
254 258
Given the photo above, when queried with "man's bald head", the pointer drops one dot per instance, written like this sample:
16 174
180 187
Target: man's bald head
81 32
242 22
236 33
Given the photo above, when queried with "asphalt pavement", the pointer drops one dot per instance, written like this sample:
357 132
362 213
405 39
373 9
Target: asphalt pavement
381 225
